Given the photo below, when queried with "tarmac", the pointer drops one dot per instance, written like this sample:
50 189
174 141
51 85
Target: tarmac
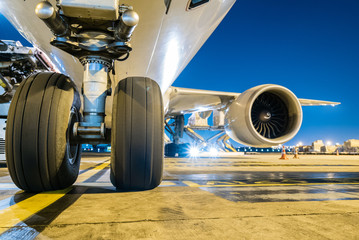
244 197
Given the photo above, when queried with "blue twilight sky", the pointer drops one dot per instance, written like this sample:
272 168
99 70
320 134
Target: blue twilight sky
308 46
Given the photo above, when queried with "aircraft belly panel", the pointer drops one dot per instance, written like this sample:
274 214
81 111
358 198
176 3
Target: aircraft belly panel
183 33
163 44
163 53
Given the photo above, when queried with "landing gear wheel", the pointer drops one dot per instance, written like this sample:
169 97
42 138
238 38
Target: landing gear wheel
40 154
137 135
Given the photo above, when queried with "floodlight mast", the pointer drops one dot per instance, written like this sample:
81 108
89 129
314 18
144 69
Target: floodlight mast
96 47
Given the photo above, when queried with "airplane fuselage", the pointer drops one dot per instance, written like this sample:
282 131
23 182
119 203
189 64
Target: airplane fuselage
166 39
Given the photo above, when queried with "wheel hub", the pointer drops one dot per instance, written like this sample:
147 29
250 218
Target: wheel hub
265 116
71 146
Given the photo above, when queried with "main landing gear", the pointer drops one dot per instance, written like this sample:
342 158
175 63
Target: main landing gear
45 125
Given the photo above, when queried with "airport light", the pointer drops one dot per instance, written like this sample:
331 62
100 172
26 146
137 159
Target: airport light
194 151
213 151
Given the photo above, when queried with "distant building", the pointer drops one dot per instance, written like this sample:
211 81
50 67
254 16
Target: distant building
351 145
328 149
305 149
317 146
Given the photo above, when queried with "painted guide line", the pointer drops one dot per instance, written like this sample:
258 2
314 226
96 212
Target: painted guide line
26 208
193 184
14 214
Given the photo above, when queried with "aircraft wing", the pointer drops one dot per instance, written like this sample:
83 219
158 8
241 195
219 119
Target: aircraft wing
185 100
310 102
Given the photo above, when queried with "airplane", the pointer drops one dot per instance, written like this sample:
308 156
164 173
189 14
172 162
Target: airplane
115 63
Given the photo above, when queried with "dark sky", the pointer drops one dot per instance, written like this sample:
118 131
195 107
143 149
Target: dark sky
308 46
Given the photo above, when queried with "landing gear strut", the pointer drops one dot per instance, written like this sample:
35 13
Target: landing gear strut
45 128
176 148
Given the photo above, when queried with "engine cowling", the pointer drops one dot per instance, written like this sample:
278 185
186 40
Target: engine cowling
264 116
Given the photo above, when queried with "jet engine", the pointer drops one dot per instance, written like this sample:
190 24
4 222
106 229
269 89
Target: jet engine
264 116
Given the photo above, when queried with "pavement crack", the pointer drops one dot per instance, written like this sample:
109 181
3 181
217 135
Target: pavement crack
179 219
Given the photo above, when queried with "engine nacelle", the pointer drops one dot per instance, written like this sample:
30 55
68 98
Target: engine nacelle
264 116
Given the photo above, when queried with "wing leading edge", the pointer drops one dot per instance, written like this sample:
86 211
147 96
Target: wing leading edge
310 102
185 100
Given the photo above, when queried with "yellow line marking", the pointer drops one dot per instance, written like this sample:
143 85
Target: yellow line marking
167 183
90 173
191 184
22 210
239 182
102 166
266 185
26 208
212 184
220 183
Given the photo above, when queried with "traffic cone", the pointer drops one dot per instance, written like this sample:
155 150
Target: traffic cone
284 155
296 156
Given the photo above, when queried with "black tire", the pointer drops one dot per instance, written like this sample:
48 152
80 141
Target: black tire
39 153
137 135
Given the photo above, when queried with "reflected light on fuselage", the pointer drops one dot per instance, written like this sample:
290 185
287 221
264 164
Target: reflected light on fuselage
171 60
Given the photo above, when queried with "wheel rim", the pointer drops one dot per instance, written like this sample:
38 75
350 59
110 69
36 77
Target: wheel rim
72 148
